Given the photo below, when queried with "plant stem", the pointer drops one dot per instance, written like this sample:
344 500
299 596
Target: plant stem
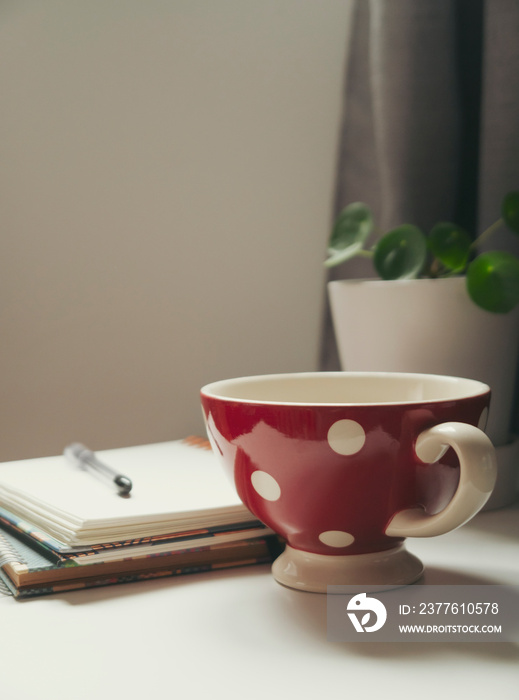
487 233
435 269
365 253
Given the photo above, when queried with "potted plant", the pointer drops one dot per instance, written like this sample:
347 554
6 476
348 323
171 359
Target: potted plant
436 307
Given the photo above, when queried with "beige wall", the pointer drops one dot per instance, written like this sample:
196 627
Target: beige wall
166 181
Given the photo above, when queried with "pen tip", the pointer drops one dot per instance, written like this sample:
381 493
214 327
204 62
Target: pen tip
124 484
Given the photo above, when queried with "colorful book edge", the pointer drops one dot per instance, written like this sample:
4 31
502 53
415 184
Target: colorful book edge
237 554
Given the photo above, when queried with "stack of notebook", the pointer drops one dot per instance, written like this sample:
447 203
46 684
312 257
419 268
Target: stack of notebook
61 528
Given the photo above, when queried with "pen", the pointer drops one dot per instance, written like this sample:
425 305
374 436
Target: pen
83 457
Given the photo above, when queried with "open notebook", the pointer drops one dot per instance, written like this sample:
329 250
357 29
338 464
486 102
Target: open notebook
62 528
178 487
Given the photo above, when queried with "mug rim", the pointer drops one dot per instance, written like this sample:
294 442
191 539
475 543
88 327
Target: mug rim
460 388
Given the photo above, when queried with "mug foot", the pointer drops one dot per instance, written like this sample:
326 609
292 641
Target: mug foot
311 572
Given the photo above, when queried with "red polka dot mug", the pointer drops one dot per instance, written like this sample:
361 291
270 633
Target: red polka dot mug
346 465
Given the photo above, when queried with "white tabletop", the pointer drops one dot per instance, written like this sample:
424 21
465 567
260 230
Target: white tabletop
237 633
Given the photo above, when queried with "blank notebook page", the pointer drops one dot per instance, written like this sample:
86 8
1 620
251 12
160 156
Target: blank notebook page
169 479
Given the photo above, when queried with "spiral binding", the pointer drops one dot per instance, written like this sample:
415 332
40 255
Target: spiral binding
8 554
196 441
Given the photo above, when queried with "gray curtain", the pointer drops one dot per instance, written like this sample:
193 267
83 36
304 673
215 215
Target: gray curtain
430 125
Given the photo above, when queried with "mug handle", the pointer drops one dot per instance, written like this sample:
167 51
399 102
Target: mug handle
478 471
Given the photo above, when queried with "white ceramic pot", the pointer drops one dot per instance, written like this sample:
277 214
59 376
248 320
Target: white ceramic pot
431 326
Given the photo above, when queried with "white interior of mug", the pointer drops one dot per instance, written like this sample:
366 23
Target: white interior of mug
345 388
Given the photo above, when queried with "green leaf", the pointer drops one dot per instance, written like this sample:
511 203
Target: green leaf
450 244
493 281
401 253
510 210
350 230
